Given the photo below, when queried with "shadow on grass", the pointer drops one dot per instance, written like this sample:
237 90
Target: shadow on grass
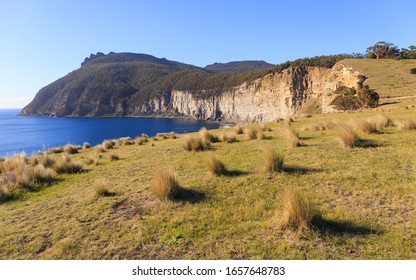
388 103
345 228
365 143
188 195
235 173
300 170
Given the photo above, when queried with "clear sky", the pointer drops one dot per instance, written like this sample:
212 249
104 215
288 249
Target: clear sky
42 40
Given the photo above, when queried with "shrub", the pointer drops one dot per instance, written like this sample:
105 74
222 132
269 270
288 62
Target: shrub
86 145
346 136
165 185
229 138
195 144
251 133
346 102
238 130
298 213
125 141
406 124
46 161
274 161
368 97
208 137
215 166
91 160
67 165
71 149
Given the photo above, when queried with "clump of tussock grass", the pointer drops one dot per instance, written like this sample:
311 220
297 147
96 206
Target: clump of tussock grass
347 137
229 138
274 161
108 144
165 185
382 121
215 166
85 145
298 213
172 135
365 126
71 149
114 157
251 133
264 127
207 136
91 161
238 130
46 161
292 136
262 135
100 148
102 190
164 136
196 144
125 141
55 150
67 165
314 127
17 176
406 124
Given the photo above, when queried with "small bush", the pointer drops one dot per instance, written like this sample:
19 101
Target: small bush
208 137
274 161
125 141
406 124
238 130
67 165
91 160
347 102
346 136
86 145
215 166
195 144
71 149
229 138
100 149
165 185
162 135
46 161
298 213
251 133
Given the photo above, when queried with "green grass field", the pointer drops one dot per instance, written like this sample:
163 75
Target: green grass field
389 77
366 196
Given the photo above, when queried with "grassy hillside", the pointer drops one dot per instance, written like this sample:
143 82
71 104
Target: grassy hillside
389 77
366 196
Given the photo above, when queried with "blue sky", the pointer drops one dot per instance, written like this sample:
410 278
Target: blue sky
42 41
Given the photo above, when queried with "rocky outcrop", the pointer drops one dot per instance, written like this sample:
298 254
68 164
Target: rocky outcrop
269 98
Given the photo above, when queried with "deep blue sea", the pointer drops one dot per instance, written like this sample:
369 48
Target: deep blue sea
33 134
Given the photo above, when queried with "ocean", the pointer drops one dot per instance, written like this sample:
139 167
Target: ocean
33 134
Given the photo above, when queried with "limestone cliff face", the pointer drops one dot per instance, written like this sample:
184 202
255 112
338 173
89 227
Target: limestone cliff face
269 98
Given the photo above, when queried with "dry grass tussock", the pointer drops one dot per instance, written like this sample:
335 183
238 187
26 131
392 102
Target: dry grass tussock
215 166
71 149
196 144
238 130
346 136
365 126
125 141
274 161
55 150
264 127
291 135
382 121
67 165
229 138
251 133
108 144
298 213
100 148
406 124
18 175
165 185
101 189
207 136
114 157
86 145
